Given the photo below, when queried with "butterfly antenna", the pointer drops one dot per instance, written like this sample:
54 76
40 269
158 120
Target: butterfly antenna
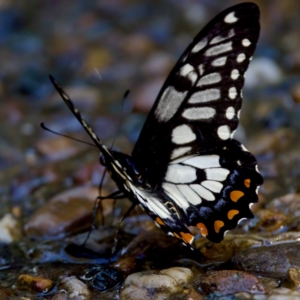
64 135
80 119
122 116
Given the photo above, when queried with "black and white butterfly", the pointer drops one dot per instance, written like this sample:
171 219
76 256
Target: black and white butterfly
186 169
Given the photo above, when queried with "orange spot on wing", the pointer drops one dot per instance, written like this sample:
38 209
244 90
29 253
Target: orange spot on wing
177 235
202 228
218 225
236 195
232 213
187 237
159 221
247 182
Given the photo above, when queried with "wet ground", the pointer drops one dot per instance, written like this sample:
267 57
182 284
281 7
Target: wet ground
97 50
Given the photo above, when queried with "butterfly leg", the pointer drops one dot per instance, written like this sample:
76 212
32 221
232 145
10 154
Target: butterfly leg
131 208
98 206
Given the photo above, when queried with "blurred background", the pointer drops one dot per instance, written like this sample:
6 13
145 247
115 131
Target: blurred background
99 49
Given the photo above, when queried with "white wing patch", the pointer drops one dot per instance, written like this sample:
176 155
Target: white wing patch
183 185
209 79
218 62
189 194
224 132
183 134
155 205
232 93
203 192
199 113
220 38
230 18
230 113
213 186
199 46
203 161
169 104
152 203
225 47
188 71
176 195
235 74
180 151
246 43
180 174
218 174
205 96
241 57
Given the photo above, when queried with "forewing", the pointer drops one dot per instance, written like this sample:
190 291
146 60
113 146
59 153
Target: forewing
198 105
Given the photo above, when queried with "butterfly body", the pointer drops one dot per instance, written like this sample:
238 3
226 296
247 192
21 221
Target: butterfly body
186 169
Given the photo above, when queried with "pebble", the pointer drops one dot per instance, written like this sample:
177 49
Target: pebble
295 92
292 279
34 283
63 213
10 229
75 288
229 282
155 285
273 261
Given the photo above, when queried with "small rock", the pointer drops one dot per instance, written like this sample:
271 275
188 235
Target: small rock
153 247
64 212
60 296
230 281
126 265
292 279
34 284
269 221
153 285
4 295
286 204
273 261
10 229
284 294
76 289
296 93
222 252
289 206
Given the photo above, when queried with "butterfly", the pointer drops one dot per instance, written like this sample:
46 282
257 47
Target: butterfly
186 169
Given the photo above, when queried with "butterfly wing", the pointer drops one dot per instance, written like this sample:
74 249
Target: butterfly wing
186 146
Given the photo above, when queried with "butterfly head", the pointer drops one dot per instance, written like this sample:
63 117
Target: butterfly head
124 166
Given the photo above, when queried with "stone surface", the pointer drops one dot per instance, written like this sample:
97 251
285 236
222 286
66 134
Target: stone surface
230 282
273 261
67 211
155 285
